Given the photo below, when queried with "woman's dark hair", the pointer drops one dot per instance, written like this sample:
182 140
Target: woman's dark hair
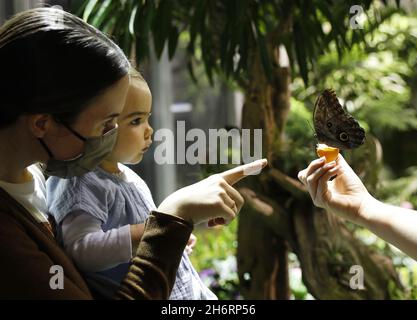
53 62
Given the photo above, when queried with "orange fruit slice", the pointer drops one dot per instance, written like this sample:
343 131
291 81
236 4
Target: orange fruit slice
329 153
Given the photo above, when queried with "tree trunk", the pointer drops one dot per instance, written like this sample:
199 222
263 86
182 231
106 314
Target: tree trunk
328 252
264 275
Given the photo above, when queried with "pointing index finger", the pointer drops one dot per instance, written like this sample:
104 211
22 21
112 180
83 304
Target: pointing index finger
253 168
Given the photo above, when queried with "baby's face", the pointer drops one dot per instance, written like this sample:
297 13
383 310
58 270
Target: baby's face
135 133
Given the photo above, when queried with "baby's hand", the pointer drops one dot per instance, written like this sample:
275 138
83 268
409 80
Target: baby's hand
213 199
190 244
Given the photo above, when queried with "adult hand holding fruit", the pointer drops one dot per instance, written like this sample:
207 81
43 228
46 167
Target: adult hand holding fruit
345 195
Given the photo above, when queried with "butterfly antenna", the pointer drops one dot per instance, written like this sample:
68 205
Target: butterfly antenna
312 129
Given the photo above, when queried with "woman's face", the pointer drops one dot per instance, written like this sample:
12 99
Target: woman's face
94 121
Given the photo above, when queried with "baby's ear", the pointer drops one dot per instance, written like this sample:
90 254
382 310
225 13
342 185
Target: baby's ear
39 124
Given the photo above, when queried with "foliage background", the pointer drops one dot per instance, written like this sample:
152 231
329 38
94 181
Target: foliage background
377 84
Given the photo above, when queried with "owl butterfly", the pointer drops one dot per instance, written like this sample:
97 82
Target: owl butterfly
333 125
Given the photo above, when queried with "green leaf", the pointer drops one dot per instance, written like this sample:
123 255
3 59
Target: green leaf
142 26
209 65
78 7
263 51
162 26
300 53
243 49
144 18
89 8
173 41
127 43
209 72
191 70
103 12
197 20
132 20
142 49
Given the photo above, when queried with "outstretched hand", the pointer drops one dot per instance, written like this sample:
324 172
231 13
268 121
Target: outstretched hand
234 175
212 199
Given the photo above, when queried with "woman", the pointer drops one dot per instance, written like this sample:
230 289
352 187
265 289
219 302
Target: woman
63 84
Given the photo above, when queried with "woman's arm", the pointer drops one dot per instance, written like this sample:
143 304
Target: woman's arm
393 224
136 232
154 267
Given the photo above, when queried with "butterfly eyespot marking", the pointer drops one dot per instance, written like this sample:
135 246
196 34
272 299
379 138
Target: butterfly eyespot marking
343 137
329 124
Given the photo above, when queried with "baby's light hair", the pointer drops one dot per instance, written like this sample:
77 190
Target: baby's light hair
136 75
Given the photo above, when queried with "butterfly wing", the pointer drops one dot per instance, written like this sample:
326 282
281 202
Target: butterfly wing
333 125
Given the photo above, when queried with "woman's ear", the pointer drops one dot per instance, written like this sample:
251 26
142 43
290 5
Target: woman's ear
39 124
